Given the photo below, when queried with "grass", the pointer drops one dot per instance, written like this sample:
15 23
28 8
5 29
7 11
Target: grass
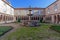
56 28
4 29
42 32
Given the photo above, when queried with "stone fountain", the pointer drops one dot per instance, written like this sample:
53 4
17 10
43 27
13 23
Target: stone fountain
29 22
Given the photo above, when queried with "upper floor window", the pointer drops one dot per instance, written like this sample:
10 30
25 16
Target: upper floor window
5 8
35 12
55 7
32 12
11 11
4 4
26 11
48 11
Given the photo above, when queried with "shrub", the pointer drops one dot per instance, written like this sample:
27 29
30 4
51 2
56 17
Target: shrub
41 20
18 19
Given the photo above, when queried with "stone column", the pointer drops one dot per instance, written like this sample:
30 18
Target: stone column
14 18
59 19
29 18
44 19
5 18
56 19
30 15
52 18
2 17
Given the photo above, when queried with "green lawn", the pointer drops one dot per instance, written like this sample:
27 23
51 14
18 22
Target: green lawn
4 29
56 28
33 33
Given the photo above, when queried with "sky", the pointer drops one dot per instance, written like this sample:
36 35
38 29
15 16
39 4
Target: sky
32 3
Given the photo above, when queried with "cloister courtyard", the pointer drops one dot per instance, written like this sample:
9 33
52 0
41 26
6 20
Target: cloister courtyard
43 32
29 23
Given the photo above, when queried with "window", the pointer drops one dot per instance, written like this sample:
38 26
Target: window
36 12
55 7
5 8
32 12
26 11
4 4
48 11
40 12
10 10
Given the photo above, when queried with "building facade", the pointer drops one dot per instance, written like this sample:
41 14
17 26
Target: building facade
6 12
22 13
51 14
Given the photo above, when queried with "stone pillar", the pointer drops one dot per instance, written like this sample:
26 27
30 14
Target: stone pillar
29 18
2 17
59 19
5 18
44 19
29 15
14 18
52 18
56 19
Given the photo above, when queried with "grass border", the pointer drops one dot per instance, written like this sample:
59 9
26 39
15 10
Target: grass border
54 29
6 31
